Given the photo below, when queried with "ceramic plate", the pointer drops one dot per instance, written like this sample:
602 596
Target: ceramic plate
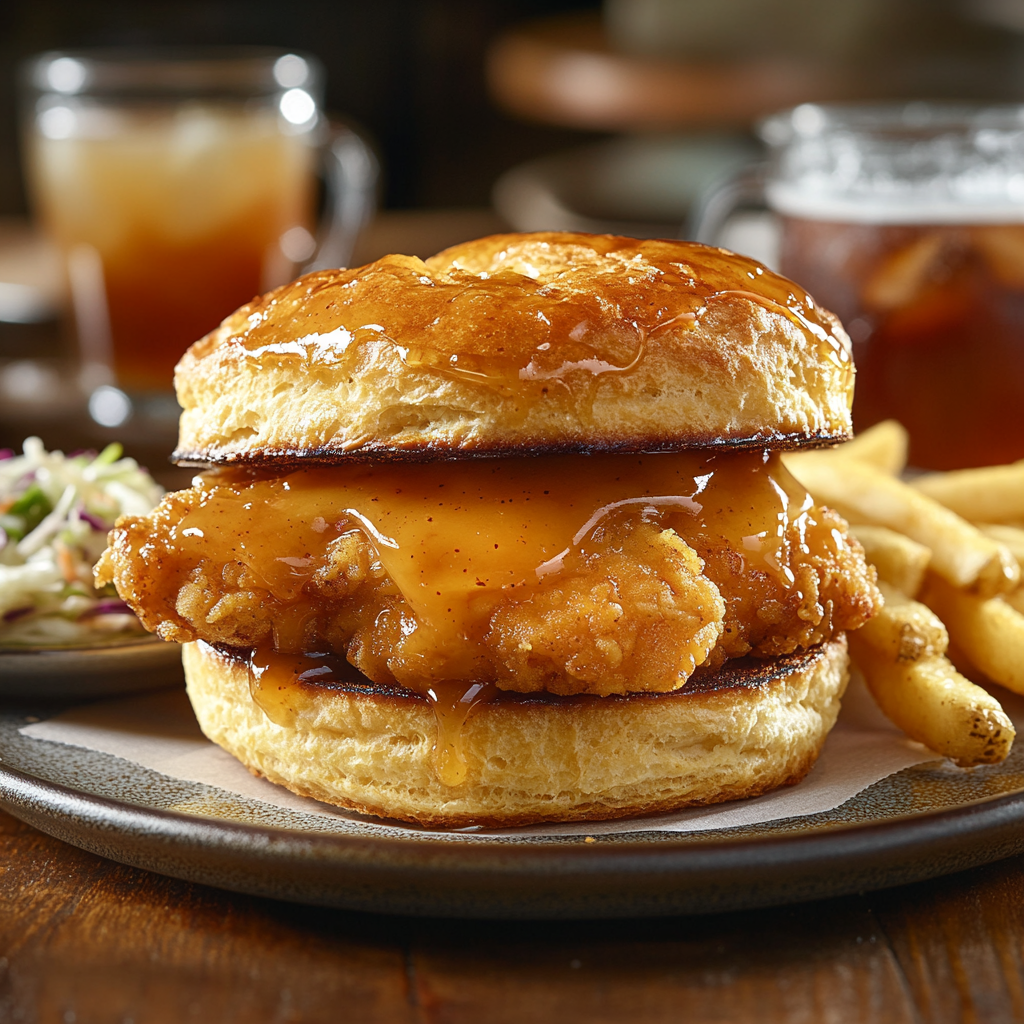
922 822
52 672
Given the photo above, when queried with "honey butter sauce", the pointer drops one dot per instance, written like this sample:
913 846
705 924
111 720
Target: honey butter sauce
456 537
520 316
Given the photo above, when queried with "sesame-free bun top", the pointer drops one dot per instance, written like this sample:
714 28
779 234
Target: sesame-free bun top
519 343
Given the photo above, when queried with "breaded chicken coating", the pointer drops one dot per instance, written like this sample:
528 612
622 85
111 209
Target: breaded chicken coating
636 615
833 589
637 612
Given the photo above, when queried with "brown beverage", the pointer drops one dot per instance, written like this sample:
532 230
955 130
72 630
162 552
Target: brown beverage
907 220
178 184
936 314
185 210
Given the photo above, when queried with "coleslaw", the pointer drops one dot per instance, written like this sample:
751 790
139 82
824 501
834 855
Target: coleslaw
55 512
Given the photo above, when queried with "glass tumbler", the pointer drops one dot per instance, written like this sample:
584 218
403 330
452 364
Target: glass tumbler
907 221
178 185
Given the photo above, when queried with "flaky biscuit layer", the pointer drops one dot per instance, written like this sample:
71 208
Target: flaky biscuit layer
741 734
520 343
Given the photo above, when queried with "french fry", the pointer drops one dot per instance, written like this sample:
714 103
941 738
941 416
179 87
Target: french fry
904 630
961 662
932 703
1015 599
989 632
883 446
901 654
900 561
1011 536
993 494
961 553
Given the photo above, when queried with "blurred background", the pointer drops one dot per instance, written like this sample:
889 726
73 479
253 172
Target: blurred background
487 115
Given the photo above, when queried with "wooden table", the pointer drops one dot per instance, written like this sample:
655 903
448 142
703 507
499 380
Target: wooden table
86 940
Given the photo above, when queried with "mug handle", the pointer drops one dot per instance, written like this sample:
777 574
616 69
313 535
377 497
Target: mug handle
351 172
746 187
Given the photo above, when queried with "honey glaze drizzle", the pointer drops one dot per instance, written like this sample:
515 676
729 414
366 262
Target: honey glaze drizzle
498 321
281 684
452 703
455 540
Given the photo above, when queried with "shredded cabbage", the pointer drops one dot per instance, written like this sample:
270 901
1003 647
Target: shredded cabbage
55 511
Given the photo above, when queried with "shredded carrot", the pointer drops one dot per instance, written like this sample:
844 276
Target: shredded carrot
66 563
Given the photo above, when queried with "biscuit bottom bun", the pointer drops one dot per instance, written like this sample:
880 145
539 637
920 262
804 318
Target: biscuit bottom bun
741 732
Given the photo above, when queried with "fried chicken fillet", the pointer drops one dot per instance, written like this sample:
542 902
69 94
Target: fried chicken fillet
637 612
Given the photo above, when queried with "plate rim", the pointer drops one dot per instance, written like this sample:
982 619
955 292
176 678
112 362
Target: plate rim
95 671
609 877
145 642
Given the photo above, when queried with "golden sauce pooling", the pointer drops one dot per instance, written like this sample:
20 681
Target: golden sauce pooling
456 538
451 533
273 679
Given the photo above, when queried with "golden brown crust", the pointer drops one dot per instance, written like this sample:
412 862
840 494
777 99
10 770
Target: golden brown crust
545 342
754 728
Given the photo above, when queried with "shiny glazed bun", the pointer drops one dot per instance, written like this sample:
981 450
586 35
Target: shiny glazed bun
746 730
516 344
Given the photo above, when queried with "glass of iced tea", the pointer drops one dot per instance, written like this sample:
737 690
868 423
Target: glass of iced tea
908 222
178 186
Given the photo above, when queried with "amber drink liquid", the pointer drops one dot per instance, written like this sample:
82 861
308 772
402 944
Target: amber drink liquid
169 181
184 211
907 221
936 314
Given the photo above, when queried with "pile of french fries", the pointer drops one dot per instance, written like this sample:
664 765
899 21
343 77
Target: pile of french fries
948 548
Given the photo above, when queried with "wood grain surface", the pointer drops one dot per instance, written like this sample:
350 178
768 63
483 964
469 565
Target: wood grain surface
83 939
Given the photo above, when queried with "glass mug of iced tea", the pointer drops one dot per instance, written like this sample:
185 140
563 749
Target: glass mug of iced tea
179 185
908 222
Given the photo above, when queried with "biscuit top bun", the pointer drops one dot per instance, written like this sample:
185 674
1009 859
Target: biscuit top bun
547 342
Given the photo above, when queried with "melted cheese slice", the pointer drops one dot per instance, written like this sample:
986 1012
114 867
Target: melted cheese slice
447 532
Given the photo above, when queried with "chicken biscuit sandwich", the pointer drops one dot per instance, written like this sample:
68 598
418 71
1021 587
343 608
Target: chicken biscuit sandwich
504 536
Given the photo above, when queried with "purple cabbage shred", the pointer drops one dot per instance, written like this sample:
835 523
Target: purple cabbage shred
108 606
94 521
